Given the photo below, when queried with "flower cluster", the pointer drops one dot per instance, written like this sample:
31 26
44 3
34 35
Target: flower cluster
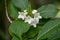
32 21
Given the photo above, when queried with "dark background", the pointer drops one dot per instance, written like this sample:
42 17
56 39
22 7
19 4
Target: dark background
4 23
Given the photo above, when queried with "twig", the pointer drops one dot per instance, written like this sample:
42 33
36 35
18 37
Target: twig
7 12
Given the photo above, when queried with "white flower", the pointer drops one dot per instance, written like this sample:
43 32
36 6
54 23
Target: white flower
36 18
25 10
31 21
28 19
37 15
22 15
34 11
34 22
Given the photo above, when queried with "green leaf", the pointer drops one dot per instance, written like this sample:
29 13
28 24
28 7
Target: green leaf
12 11
18 28
47 11
54 35
15 38
24 37
58 15
48 27
22 4
33 32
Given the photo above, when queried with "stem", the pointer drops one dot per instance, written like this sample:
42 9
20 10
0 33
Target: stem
7 12
30 10
7 36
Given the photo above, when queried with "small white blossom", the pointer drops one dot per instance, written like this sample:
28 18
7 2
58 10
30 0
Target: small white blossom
28 19
37 15
34 11
31 21
25 10
22 15
36 18
34 22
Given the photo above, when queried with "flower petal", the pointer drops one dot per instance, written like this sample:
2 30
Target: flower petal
34 11
28 19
